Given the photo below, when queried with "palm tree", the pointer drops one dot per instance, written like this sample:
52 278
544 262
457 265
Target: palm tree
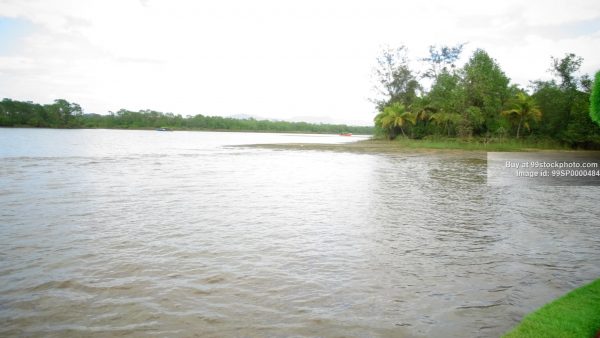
423 112
524 110
394 116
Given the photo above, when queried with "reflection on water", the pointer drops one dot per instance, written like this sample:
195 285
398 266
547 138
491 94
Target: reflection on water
173 234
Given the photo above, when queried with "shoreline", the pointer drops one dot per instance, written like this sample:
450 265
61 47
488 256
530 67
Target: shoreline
377 146
182 129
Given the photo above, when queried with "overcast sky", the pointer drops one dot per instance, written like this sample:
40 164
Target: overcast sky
273 59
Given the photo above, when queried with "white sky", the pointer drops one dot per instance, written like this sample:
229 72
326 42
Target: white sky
272 59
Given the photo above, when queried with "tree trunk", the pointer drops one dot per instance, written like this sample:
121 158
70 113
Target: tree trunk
519 127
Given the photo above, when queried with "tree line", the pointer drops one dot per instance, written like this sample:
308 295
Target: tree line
478 101
64 114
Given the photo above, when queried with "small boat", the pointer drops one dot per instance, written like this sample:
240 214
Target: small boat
163 129
346 134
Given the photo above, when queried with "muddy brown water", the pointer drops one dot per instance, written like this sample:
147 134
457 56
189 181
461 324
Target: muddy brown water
145 233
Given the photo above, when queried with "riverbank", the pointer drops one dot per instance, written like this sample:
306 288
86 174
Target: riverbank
576 314
404 145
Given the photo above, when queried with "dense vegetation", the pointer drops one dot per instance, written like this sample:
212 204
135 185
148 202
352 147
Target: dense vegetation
478 102
63 114
595 100
576 314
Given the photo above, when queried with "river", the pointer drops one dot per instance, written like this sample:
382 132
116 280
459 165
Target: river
146 233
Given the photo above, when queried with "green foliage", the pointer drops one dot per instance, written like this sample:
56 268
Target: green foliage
595 100
576 314
568 116
468 101
555 105
581 131
447 93
446 121
474 116
62 114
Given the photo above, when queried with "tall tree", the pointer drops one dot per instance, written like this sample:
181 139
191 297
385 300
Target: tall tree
486 87
565 70
395 82
441 59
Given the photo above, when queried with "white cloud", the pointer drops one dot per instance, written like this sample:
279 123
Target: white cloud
269 58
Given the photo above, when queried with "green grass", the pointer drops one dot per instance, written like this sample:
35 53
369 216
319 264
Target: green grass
480 144
576 314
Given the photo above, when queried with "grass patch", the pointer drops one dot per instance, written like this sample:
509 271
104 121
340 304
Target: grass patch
576 314
480 144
